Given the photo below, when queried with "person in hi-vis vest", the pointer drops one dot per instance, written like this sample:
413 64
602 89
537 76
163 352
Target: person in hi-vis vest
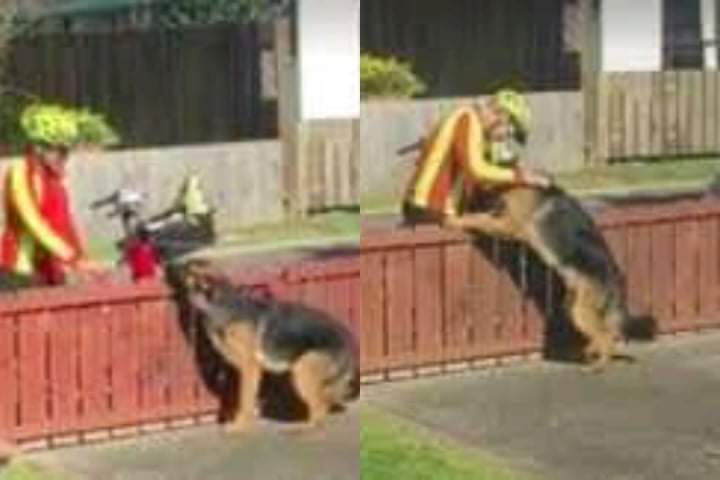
470 149
40 242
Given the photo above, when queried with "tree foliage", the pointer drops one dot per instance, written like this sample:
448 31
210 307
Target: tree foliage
183 13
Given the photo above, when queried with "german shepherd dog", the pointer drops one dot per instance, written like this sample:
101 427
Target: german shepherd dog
266 335
565 237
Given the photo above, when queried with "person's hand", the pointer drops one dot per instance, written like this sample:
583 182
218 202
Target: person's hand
89 265
91 271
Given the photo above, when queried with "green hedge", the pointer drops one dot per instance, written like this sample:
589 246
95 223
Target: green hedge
388 78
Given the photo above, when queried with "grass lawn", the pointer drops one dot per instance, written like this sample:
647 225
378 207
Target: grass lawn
675 175
341 225
671 175
22 470
335 224
665 175
391 448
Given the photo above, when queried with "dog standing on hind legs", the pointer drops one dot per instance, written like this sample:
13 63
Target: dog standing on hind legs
565 237
256 336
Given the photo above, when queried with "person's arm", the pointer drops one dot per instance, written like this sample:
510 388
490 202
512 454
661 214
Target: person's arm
84 261
470 145
33 220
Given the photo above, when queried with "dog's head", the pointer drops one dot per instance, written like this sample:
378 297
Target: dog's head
199 282
198 276
202 277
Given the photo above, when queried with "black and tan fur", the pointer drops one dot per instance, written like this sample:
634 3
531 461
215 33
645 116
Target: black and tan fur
565 237
257 335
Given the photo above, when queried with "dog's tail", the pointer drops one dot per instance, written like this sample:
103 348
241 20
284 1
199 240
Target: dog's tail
639 328
631 327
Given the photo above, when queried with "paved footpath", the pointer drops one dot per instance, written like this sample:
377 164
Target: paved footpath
658 419
207 453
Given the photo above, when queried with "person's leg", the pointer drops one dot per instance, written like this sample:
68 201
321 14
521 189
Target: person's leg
310 377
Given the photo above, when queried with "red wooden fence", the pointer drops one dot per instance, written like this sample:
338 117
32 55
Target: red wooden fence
77 360
430 298
99 357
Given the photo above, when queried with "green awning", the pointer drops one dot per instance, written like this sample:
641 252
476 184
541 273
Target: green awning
89 7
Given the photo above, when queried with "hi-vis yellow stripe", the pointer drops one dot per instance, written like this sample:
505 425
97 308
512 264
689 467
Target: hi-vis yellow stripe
436 156
30 216
26 252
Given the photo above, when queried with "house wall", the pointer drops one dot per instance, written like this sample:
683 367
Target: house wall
631 35
329 59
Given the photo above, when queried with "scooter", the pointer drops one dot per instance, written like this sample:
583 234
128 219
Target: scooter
151 242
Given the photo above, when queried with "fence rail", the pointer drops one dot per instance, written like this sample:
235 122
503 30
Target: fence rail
658 114
329 158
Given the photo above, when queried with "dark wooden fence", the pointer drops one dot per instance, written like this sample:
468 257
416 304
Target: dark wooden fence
158 87
467 48
430 298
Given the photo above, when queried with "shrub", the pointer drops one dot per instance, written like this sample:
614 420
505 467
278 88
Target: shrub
388 78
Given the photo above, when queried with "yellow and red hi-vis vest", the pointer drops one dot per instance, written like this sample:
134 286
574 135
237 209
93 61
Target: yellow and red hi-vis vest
39 231
456 147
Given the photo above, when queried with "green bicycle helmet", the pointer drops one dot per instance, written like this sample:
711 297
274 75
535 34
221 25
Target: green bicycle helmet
518 108
49 125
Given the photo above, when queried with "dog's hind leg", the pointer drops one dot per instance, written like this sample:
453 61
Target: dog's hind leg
586 315
310 375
